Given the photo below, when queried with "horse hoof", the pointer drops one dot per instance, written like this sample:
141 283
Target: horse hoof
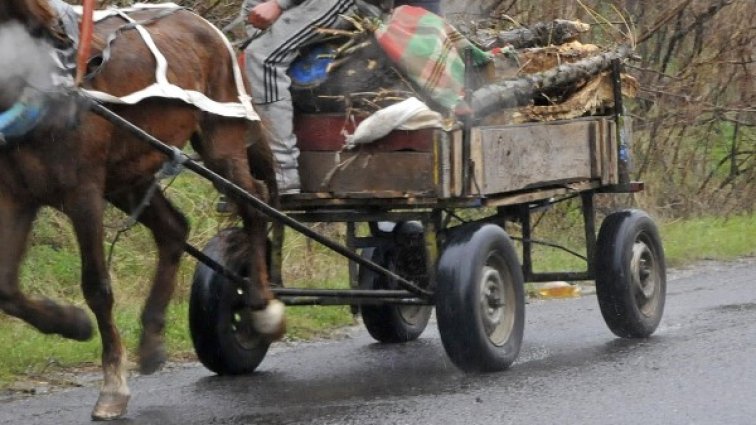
110 407
76 325
270 321
153 361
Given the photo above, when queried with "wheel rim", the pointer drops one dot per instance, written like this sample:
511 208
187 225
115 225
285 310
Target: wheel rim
646 277
497 301
412 314
409 314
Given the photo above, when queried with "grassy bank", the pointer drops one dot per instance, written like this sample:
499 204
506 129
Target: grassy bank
52 269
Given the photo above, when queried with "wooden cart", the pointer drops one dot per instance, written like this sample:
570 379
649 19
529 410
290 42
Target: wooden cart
411 189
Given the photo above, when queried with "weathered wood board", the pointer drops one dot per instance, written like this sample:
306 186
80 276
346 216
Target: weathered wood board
423 163
400 173
516 157
506 159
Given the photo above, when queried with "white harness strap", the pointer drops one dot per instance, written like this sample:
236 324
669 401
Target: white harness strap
162 88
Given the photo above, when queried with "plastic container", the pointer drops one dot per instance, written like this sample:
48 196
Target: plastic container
559 290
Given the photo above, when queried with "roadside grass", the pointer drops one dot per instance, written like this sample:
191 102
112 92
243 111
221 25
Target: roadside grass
709 238
685 242
52 269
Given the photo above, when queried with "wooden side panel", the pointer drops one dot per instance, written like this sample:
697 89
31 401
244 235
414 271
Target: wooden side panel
509 158
506 158
394 173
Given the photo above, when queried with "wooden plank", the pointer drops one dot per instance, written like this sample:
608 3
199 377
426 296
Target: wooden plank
304 202
539 194
443 165
368 172
612 147
476 158
510 158
456 164
596 141
603 151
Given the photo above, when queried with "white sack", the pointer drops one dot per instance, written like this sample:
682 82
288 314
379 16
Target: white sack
409 114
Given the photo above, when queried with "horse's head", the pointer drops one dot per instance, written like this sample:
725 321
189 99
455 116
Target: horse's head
28 72
25 58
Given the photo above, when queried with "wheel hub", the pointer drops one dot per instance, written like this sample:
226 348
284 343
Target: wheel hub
412 314
497 316
644 278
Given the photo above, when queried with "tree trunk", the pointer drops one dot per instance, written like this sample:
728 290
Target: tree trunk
520 91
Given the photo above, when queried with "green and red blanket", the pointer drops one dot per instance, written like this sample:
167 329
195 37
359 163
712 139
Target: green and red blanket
428 51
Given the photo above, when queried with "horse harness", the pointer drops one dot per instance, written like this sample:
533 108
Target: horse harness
162 87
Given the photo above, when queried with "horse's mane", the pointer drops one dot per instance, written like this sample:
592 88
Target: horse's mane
37 15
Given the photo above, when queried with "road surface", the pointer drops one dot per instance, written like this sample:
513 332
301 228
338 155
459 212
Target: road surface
699 368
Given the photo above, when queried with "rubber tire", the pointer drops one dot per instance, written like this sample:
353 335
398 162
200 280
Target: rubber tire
614 286
388 323
458 306
212 306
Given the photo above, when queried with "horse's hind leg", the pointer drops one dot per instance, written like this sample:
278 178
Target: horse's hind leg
85 209
42 313
223 149
169 229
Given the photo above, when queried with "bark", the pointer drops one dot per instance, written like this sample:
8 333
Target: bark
520 91
558 31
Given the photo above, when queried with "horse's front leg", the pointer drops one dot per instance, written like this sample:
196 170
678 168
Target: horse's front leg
85 208
169 229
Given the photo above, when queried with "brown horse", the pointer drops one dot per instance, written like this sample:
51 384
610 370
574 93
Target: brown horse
75 168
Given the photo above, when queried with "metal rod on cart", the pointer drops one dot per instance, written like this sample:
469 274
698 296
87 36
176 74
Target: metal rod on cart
302 301
306 296
216 266
258 204
355 293
623 154
589 222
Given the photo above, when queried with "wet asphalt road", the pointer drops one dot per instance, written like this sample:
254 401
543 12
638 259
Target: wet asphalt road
699 368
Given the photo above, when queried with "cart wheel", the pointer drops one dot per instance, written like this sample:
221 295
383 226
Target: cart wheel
480 301
631 281
222 332
394 323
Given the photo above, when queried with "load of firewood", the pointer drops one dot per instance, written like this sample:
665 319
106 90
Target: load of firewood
536 73
544 73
